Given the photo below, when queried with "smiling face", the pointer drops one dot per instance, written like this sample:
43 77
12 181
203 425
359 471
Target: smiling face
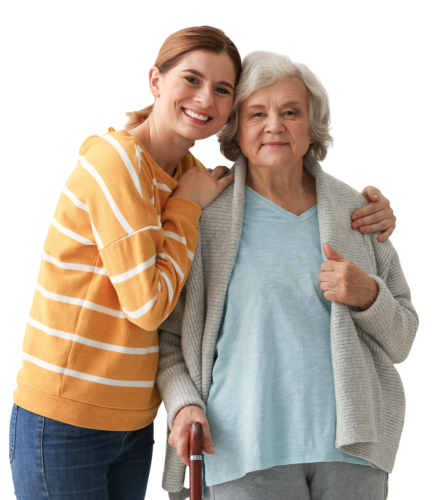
274 125
194 98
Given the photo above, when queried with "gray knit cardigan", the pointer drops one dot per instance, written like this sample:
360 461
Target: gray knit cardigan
365 345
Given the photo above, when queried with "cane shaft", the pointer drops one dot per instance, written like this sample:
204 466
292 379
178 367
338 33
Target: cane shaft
195 467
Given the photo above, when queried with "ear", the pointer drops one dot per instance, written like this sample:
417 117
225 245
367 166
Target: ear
154 81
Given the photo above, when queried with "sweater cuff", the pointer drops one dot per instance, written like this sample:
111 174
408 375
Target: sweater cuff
183 208
179 391
377 317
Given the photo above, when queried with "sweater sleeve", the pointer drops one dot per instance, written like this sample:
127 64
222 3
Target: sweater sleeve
177 389
147 255
391 320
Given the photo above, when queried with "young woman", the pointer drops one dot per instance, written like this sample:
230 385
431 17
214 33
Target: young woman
117 254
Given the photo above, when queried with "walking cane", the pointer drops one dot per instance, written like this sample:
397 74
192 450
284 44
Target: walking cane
196 457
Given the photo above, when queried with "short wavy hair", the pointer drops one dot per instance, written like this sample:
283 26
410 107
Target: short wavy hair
262 69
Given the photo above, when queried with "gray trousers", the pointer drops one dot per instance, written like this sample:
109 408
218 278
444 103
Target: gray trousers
315 481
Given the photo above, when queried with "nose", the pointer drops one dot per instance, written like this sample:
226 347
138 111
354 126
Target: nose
274 124
205 96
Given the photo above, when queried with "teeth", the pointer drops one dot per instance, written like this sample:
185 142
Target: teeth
195 115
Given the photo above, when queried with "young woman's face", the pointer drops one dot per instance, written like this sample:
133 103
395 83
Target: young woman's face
195 97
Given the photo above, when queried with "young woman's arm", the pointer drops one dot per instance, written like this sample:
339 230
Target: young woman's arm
376 216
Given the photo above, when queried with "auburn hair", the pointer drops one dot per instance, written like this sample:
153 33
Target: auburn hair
180 43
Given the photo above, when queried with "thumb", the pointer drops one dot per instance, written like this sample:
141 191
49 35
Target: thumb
371 193
332 254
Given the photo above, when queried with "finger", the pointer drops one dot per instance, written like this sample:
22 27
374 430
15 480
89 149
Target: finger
328 265
371 193
332 254
208 445
371 208
327 287
326 277
183 446
219 171
374 228
385 235
370 219
225 181
331 295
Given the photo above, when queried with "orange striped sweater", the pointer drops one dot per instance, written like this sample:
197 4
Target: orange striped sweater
116 256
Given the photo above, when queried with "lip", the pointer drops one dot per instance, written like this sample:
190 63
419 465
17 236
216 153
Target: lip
198 112
275 144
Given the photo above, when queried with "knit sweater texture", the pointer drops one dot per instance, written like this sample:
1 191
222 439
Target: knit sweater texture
117 254
365 345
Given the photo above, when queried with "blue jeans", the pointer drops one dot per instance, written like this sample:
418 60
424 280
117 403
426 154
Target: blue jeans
53 461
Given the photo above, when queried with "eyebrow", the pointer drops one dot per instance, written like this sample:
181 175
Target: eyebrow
285 105
195 72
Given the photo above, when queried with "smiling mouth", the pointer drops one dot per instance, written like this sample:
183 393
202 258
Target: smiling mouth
197 117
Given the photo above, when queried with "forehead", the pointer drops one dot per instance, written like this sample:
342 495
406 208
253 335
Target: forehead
211 65
282 91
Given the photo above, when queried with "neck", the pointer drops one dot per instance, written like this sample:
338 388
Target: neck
164 145
290 187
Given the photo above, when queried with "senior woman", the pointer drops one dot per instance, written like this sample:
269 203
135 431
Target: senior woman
290 324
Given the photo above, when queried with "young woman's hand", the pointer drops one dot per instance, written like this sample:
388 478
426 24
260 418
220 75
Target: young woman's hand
202 186
376 216
180 436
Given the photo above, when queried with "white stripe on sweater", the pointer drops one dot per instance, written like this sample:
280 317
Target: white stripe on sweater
161 187
169 286
74 267
79 302
71 234
74 199
82 205
138 154
133 272
176 237
96 236
86 376
146 307
181 239
127 162
127 227
89 342
175 265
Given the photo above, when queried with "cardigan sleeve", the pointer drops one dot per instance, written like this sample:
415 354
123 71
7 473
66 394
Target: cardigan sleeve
174 382
391 320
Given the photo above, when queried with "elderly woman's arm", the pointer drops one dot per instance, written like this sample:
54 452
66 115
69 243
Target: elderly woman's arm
173 380
391 320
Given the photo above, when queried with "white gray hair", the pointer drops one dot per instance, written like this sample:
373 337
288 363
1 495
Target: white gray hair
262 69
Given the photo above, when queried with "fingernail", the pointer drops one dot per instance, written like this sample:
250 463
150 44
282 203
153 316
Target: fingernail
355 225
363 229
354 217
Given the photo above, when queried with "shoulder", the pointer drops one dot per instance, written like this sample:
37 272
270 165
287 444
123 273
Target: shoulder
116 147
190 161
343 195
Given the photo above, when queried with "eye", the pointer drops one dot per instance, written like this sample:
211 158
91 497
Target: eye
222 91
289 113
257 114
191 79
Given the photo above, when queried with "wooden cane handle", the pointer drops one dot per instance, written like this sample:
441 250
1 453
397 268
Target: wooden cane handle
195 470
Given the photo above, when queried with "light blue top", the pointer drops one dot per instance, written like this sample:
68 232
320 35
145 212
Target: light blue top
272 398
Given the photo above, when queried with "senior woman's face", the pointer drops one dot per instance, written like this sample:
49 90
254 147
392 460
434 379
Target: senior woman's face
274 124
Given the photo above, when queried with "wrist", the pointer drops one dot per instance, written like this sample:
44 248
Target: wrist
373 290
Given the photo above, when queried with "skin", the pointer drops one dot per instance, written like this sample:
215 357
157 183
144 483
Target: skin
169 133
